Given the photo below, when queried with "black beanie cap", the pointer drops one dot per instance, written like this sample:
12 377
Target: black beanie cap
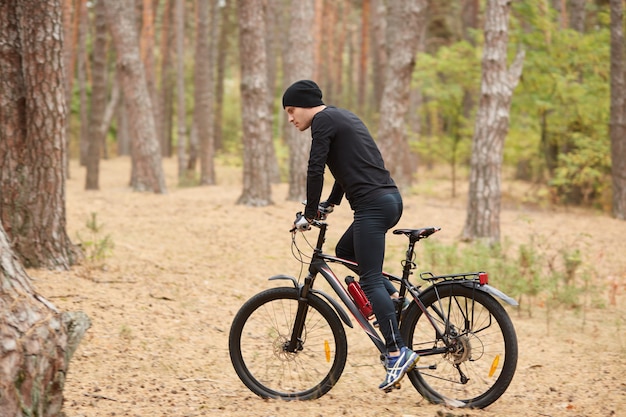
303 93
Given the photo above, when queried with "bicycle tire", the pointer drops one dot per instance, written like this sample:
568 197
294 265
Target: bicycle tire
261 329
486 346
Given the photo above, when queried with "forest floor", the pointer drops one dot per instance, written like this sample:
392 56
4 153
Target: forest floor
184 262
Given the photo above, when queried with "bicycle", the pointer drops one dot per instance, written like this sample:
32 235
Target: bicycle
290 343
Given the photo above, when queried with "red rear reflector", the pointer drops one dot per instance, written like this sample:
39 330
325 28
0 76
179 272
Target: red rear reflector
483 278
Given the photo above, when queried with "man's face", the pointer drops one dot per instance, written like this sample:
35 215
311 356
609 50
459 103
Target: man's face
300 117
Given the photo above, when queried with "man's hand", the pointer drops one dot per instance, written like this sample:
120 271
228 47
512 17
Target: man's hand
324 209
302 224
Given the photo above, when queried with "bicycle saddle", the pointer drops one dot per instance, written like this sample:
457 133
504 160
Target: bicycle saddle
417 234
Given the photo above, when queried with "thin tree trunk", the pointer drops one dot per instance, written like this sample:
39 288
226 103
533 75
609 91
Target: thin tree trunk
98 98
204 80
618 110
318 26
404 20
70 35
492 125
257 135
167 82
577 15
146 48
107 118
180 82
379 52
272 44
298 66
148 172
363 57
223 47
123 135
83 141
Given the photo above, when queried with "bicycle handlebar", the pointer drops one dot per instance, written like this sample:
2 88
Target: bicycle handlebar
316 223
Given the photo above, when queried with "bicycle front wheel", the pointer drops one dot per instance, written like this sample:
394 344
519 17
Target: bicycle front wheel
260 334
473 363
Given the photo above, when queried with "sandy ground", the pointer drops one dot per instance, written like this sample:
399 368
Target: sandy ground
184 262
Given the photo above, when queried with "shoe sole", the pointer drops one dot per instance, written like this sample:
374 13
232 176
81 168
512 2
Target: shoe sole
396 384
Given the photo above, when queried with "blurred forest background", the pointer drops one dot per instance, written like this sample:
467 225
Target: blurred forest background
559 122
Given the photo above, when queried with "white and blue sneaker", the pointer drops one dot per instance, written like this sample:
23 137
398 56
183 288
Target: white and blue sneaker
397 367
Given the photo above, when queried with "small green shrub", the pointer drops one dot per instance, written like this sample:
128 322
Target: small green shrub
532 274
95 246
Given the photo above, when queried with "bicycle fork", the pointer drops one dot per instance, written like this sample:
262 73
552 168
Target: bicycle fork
295 342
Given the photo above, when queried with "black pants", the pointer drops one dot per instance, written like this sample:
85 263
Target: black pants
364 242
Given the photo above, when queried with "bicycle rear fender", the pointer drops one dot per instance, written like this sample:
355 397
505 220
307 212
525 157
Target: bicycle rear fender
496 293
340 311
484 288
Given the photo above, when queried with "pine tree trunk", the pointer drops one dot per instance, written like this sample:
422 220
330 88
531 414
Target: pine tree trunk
299 66
257 135
98 98
379 52
618 110
181 121
32 135
363 57
403 23
37 343
204 85
492 125
148 172
81 73
165 102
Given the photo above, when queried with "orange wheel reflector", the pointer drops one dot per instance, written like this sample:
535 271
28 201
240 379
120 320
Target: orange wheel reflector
494 365
327 350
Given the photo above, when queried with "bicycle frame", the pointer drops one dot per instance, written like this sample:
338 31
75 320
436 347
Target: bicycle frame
319 265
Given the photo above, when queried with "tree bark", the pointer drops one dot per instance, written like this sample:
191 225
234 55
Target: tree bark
404 20
618 110
32 134
204 87
298 65
70 34
492 125
379 52
82 66
363 57
577 15
257 135
148 172
37 342
98 99
164 123
181 121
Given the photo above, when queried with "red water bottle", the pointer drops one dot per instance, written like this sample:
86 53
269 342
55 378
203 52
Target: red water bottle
359 297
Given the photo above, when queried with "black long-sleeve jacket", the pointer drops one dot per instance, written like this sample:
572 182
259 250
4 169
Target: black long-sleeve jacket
341 140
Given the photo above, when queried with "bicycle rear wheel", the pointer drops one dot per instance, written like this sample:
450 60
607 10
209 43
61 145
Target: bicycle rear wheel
478 365
260 333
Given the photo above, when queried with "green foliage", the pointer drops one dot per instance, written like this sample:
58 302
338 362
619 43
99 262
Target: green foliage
560 110
445 80
231 120
559 115
583 173
96 247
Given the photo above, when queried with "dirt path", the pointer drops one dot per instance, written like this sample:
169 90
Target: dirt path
184 263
